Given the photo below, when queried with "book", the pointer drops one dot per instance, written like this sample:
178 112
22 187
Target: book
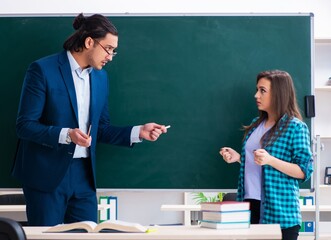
103 213
227 225
224 206
109 213
228 216
106 226
113 208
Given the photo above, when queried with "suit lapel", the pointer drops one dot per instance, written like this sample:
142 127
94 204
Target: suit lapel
68 80
93 95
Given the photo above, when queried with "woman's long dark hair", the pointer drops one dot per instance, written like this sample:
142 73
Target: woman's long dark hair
95 26
283 101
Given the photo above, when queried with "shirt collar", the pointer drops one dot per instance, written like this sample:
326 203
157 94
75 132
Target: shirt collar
75 67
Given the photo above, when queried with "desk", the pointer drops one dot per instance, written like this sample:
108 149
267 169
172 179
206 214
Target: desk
12 208
21 208
181 208
259 231
186 208
17 212
189 208
322 208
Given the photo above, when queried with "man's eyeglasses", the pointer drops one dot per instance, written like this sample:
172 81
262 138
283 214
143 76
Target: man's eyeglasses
111 52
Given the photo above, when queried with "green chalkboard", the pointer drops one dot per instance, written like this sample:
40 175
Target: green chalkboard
196 73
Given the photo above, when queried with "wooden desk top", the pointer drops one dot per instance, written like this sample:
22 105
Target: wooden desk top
180 208
22 208
259 231
322 208
12 208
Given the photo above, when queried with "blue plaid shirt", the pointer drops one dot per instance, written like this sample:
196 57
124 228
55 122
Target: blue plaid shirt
281 192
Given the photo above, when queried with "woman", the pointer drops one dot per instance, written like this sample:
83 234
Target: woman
275 156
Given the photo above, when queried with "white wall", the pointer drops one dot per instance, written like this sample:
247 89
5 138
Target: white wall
140 206
145 206
320 8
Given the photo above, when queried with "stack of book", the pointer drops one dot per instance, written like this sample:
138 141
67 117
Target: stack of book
225 215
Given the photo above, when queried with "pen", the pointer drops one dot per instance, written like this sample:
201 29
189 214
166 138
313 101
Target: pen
89 130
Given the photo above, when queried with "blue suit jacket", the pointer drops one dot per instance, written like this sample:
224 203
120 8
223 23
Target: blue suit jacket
48 104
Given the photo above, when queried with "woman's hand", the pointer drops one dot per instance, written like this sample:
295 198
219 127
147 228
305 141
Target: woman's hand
229 155
262 157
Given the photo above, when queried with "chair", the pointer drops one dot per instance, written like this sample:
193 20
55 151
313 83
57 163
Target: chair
11 230
13 199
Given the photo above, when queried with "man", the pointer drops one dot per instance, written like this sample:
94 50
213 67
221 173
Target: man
63 113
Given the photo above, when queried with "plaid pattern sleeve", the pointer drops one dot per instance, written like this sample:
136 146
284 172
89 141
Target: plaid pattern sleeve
281 192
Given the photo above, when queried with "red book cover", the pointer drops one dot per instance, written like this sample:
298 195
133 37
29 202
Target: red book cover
225 206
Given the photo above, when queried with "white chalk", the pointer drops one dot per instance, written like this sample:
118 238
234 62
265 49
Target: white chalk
168 126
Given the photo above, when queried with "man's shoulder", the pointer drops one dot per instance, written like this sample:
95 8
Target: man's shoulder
53 57
102 73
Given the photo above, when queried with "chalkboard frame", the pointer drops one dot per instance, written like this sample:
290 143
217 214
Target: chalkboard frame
117 91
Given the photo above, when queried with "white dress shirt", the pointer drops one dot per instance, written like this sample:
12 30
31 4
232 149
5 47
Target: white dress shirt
81 79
